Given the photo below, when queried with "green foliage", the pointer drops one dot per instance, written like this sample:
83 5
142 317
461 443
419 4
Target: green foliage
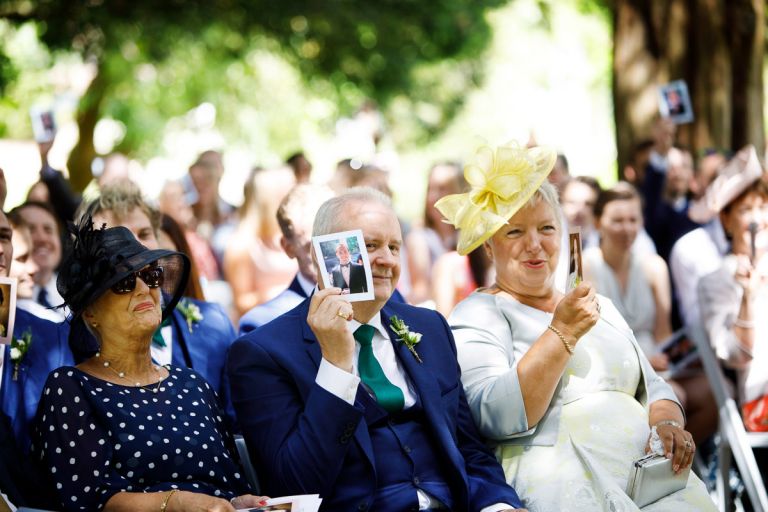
159 59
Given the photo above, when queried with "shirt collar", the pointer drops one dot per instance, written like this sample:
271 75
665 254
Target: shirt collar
306 285
375 322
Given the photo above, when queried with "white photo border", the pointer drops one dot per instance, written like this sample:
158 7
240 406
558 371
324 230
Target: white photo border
8 285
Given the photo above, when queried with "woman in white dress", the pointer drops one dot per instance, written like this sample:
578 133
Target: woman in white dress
558 382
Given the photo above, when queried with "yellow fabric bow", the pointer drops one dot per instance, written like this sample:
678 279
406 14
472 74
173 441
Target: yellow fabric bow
501 182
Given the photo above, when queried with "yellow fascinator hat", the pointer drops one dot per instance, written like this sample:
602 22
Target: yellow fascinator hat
501 182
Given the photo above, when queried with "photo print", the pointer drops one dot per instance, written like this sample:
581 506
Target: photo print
343 262
675 102
7 308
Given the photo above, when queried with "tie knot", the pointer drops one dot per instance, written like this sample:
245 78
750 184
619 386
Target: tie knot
364 334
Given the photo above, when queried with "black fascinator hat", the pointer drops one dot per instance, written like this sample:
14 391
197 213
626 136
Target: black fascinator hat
95 260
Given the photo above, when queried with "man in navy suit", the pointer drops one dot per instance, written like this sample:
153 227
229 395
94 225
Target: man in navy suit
22 382
198 339
331 401
294 216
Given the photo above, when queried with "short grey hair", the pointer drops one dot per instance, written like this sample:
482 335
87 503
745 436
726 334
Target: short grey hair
326 220
547 193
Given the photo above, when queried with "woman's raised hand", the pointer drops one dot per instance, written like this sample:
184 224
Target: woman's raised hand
577 312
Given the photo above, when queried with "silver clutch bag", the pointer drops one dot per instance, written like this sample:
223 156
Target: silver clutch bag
652 478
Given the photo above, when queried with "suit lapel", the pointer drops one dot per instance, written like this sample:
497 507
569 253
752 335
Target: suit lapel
424 384
180 350
295 287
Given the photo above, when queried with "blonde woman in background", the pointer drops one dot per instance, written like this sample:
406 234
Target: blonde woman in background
255 265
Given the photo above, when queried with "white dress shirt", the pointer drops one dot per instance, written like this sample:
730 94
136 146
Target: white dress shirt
344 385
162 355
53 297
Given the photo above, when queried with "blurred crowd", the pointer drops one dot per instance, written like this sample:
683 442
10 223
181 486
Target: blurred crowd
681 242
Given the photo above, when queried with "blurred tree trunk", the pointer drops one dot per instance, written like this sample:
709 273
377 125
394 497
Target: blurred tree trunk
716 46
88 114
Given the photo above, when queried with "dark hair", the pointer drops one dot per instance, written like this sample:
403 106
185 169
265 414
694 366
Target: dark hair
622 191
759 187
16 213
171 228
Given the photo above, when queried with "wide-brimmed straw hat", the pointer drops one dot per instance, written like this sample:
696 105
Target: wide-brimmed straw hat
97 259
732 179
501 181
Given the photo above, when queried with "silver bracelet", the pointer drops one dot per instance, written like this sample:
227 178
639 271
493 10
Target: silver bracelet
671 423
744 324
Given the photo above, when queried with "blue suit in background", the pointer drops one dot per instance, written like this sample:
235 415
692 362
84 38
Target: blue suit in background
49 350
205 348
305 439
265 313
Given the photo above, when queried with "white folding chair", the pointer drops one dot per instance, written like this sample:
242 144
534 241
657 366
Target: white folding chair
734 440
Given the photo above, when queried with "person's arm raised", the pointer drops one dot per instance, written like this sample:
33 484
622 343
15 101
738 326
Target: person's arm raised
540 369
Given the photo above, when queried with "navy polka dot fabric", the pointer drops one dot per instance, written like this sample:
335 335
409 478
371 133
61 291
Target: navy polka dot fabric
97 438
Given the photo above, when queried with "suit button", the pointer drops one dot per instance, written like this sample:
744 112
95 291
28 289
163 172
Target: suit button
344 439
407 449
416 480
362 506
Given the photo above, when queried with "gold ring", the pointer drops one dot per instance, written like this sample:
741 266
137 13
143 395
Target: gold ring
688 444
342 315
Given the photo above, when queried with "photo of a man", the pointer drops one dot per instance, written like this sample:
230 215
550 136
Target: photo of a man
343 263
348 276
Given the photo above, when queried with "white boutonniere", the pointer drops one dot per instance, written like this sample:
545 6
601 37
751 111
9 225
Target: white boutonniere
410 339
19 348
190 312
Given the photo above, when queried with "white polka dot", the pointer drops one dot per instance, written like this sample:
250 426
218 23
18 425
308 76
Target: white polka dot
74 478
93 454
72 460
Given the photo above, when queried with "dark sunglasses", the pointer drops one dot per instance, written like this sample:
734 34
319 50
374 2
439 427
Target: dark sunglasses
152 277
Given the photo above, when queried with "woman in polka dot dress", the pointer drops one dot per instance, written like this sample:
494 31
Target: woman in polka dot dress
118 432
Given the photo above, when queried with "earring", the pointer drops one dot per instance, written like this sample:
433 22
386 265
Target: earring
95 325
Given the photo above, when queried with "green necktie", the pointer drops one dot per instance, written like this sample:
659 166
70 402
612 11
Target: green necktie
157 338
389 396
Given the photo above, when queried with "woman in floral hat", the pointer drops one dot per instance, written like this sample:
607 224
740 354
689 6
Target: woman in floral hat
557 381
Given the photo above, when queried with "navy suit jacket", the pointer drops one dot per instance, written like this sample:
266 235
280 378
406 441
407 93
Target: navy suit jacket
264 313
49 350
306 440
205 348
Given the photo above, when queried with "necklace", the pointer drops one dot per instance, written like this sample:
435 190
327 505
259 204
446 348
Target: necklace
108 364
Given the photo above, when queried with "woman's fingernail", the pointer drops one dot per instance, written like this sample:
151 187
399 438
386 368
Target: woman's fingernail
676 468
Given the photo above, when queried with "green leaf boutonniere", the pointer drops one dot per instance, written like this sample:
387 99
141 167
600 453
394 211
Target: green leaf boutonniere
410 339
19 348
190 311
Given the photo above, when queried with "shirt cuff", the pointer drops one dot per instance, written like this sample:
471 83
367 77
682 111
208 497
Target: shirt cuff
337 382
496 507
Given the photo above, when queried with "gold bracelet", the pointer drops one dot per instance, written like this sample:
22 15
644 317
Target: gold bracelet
164 506
567 345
